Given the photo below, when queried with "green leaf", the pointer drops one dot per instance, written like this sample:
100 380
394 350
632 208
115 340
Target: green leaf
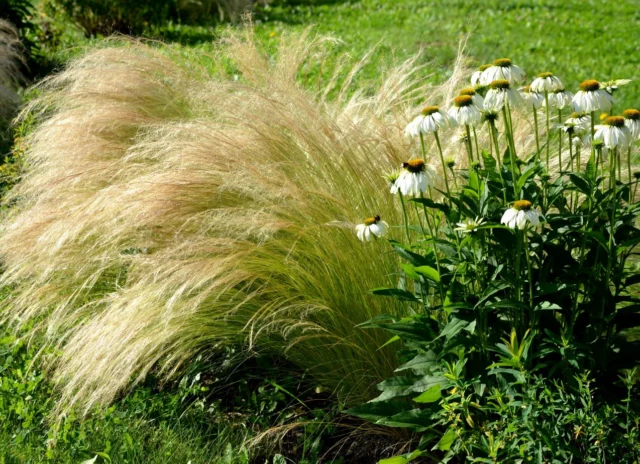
591 170
454 327
398 293
530 171
447 440
432 395
489 161
428 272
423 362
394 460
374 411
429 203
583 184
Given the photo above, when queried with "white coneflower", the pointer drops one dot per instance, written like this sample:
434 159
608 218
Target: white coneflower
464 111
632 121
579 119
612 85
546 82
373 227
502 69
415 178
520 214
477 75
531 98
592 98
478 99
499 94
613 133
470 225
391 177
431 119
560 99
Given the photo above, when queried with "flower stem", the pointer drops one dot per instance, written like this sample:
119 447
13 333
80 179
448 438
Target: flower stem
535 125
470 147
444 166
511 153
546 102
475 139
435 250
629 165
406 218
494 137
560 143
528 258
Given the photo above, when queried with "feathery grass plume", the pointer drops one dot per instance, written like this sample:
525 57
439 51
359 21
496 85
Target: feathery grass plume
169 208
10 76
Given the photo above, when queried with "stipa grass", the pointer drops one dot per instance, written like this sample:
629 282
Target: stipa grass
168 209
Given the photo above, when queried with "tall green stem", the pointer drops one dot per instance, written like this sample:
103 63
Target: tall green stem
435 249
535 125
546 102
494 137
469 145
511 153
406 218
475 139
528 258
560 142
444 166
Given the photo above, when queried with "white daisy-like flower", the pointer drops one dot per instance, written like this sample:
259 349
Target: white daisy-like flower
579 119
478 99
499 94
591 98
477 75
470 225
373 227
415 178
613 133
520 214
632 121
546 82
464 111
612 85
531 98
560 99
431 119
502 69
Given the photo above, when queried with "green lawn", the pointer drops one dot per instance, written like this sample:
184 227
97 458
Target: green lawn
575 39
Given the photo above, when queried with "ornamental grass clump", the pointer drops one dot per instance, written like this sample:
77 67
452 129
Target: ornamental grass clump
168 209
520 275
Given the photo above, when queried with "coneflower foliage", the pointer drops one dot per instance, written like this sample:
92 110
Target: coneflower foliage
521 277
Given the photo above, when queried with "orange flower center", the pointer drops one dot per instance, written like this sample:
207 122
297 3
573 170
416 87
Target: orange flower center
544 75
590 85
430 110
414 165
522 205
468 91
372 220
502 62
463 100
500 84
615 121
631 114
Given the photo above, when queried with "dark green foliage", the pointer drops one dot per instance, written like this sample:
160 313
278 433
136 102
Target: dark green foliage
523 344
106 17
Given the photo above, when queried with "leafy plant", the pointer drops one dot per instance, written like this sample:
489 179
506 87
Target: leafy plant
501 302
